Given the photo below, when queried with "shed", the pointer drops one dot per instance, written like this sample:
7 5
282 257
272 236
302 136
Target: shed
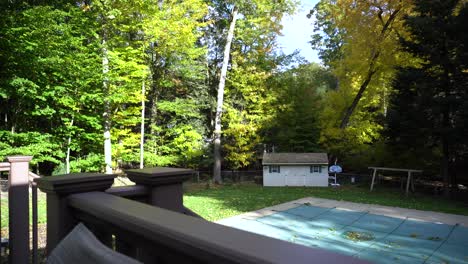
295 169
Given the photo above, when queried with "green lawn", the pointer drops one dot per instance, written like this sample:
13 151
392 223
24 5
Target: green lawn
41 209
224 201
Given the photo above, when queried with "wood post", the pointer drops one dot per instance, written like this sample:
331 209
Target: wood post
18 203
408 182
165 191
165 185
373 179
408 178
60 220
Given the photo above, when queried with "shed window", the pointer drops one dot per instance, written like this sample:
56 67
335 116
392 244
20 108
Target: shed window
274 168
315 168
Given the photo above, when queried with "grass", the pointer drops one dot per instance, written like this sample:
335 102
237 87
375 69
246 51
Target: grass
41 209
217 202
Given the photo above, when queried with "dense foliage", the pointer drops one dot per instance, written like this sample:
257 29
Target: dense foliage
430 104
106 85
402 75
82 82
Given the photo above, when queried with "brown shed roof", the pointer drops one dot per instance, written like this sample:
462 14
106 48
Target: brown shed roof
294 158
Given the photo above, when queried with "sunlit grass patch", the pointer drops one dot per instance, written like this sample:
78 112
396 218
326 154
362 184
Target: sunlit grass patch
214 203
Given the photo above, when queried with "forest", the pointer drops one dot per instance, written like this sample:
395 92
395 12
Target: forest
107 85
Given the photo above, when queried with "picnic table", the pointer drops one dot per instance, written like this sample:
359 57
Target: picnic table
408 179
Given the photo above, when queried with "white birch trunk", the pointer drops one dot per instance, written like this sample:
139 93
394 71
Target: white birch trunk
142 130
220 99
67 160
106 114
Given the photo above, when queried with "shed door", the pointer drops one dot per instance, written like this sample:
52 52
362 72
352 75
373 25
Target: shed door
295 176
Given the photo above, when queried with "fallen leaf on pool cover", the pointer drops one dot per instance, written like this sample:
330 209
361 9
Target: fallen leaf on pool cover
359 236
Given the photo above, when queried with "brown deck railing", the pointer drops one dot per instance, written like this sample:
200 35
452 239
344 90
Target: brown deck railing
34 217
149 222
19 180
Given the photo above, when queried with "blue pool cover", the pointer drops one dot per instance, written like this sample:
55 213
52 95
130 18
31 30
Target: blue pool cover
377 238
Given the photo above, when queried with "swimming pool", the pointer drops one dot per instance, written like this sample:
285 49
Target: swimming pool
377 238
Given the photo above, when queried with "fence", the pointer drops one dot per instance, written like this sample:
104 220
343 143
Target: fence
20 181
228 175
239 176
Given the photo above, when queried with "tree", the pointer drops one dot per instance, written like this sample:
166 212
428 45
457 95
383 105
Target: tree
123 68
298 100
48 77
220 98
329 43
137 73
177 94
381 18
430 104
360 44
259 25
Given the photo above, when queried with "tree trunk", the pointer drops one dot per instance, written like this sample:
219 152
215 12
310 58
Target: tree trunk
107 110
153 96
446 126
219 104
67 160
445 165
153 118
372 68
142 130
357 98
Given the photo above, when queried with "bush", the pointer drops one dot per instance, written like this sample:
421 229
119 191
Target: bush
91 163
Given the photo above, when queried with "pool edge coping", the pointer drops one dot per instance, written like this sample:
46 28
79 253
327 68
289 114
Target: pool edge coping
396 212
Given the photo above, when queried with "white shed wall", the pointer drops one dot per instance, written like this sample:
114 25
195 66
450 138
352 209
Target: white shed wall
295 175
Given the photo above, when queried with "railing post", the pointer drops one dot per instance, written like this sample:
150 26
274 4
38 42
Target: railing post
18 203
165 185
60 219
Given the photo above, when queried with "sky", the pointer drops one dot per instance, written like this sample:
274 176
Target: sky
297 30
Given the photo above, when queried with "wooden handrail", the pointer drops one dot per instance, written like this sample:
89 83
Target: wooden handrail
4 166
140 193
33 175
393 169
161 232
129 191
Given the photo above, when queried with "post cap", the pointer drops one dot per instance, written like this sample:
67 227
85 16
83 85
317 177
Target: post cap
12 159
159 175
75 183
